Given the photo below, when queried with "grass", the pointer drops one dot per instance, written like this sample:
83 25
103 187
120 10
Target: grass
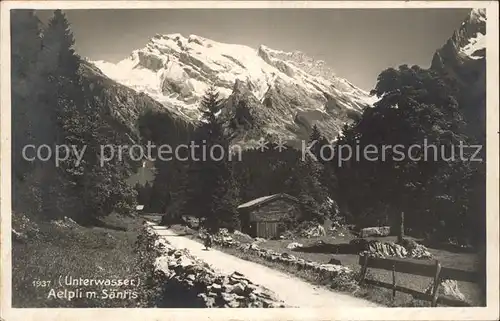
464 261
97 253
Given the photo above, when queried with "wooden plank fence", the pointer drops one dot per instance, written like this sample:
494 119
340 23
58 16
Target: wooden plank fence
435 271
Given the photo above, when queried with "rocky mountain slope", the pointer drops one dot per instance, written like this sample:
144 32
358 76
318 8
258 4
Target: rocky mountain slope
266 91
123 107
463 58
274 93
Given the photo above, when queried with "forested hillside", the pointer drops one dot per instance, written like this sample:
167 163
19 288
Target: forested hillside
60 99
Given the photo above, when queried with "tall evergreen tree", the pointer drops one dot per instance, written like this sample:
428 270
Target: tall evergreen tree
212 192
28 119
101 187
319 149
30 123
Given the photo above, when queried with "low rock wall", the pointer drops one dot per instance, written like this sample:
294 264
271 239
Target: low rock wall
185 272
332 270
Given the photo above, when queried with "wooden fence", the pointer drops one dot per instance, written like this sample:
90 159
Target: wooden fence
434 271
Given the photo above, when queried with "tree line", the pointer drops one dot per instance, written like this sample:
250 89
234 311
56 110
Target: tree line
439 197
52 103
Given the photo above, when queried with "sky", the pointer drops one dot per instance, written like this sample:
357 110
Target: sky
356 43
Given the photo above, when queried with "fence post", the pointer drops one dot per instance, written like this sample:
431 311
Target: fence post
437 281
401 227
363 269
393 281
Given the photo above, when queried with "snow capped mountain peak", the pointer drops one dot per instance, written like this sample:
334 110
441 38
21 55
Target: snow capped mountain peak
176 71
478 15
467 44
463 58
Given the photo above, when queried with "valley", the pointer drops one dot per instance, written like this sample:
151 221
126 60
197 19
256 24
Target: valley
91 217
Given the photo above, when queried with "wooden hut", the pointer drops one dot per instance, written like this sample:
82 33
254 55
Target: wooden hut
261 217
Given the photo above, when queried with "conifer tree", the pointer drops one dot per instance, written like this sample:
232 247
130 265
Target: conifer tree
28 115
28 119
101 187
212 192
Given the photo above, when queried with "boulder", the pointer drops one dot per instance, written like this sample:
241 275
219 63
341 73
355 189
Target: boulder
228 297
238 289
450 288
447 288
216 287
243 236
287 255
315 231
294 245
209 300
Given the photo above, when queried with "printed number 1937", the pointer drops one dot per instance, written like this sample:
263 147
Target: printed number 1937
41 284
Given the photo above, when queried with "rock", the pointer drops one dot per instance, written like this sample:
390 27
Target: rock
228 288
232 304
375 231
315 231
237 274
216 287
294 245
244 236
254 247
256 304
184 262
245 282
228 297
213 294
209 300
238 288
252 297
450 288
251 288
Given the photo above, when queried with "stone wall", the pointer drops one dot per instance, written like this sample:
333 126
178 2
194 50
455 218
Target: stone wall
224 239
200 283
329 270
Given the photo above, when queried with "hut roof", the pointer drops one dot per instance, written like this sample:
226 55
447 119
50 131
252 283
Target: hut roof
266 199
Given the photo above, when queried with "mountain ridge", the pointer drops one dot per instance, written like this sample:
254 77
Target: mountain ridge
463 59
292 91
268 92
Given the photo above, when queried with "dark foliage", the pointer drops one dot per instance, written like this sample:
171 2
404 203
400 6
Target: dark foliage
53 104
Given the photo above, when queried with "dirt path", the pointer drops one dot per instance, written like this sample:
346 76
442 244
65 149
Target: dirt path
291 290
